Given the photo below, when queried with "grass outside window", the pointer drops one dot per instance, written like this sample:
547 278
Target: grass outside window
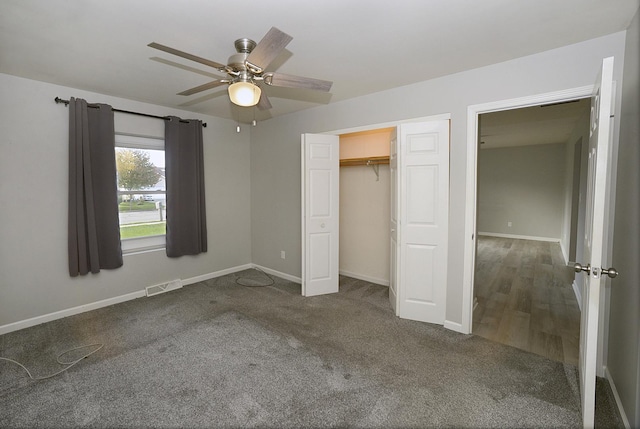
136 230
126 206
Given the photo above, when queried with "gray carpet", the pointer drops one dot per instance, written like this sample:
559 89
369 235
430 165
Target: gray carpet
218 354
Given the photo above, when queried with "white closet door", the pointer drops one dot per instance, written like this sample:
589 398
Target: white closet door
320 208
423 189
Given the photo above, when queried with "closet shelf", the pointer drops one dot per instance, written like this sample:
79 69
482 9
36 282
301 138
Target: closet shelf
372 160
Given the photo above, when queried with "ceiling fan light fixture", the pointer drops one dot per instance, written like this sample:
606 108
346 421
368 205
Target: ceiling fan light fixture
245 94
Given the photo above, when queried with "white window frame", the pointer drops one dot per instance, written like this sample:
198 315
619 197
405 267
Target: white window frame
152 242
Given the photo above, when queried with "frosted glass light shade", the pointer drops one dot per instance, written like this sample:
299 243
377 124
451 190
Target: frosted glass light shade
244 93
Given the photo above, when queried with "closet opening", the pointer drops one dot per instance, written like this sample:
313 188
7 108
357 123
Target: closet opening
364 207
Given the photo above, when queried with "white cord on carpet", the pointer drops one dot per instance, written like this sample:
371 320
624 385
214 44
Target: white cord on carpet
271 280
58 360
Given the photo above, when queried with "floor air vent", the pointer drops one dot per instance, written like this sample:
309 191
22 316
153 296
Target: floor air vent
164 287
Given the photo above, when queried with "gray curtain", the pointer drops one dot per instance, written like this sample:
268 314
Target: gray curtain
184 169
94 229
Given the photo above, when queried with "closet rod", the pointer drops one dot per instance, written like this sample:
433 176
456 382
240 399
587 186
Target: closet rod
66 103
373 160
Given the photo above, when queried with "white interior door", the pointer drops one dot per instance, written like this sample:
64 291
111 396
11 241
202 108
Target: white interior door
320 215
594 246
423 190
393 222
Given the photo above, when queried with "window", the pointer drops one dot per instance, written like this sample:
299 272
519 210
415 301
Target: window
141 192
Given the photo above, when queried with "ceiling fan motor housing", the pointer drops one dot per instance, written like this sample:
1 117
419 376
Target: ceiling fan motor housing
237 62
244 48
244 45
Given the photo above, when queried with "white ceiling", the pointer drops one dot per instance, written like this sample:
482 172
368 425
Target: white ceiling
363 46
546 124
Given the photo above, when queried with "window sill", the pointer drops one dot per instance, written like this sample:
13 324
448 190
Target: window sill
143 245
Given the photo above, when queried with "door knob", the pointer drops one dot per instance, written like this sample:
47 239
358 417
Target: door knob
611 272
578 267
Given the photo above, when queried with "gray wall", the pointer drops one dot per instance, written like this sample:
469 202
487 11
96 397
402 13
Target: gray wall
623 359
33 211
365 205
523 185
275 144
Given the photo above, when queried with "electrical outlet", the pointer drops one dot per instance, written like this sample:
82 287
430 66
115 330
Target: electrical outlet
282 255
509 224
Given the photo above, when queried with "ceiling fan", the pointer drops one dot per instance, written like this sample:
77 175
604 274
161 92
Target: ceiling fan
246 70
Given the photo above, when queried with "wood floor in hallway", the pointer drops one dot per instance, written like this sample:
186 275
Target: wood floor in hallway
525 297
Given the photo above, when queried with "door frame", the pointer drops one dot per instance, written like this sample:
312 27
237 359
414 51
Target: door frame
473 112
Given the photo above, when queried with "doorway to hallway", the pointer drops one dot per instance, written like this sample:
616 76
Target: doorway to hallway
528 220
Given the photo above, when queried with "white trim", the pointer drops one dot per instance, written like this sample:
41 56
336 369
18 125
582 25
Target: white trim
303 214
454 326
215 274
369 279
438 117
27 323
608 376
277 273
471 197
577 292
519 237
136 245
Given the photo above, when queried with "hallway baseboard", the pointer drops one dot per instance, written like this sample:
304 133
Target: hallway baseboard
519 237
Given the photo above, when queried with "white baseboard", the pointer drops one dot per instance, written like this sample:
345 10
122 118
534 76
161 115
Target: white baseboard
369 279
454 326
27 323
519 237
578 293
625 420
215 274
277 273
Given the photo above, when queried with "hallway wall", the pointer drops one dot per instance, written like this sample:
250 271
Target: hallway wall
524 186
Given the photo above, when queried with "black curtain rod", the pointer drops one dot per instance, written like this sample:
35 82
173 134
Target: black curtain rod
66 103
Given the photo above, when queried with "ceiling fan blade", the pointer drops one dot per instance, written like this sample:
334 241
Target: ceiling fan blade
188 56
204 87
291 81
268 48
264 103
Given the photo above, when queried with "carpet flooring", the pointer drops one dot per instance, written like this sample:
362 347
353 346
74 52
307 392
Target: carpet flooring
218 354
